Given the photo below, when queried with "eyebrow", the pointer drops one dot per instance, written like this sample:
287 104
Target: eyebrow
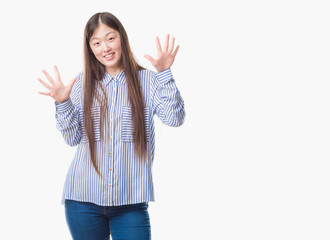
95 38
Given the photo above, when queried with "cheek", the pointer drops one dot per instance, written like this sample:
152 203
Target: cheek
118 49
117 46
96 52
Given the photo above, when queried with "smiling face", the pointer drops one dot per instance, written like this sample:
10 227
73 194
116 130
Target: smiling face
106 46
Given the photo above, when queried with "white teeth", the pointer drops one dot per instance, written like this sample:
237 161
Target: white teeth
109 55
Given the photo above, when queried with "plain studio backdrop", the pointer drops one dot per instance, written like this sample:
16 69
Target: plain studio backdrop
252 158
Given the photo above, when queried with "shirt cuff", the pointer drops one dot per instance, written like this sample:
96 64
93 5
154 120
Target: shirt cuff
64 106
164 76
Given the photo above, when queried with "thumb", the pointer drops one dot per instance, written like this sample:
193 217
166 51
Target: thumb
72 82
149 58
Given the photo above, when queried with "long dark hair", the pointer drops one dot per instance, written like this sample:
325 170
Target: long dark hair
94 72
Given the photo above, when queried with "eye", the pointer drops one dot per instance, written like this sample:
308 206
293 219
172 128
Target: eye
110 39
96 44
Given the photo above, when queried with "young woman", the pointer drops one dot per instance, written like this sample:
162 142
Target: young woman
108 112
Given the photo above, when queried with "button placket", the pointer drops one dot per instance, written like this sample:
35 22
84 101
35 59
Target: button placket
112 100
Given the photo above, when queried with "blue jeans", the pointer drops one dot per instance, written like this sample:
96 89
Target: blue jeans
88 221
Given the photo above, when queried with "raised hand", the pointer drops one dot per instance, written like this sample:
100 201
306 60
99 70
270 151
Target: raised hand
165 57
57 90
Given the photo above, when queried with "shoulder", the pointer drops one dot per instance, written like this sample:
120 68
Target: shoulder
80 77
77 86
80 80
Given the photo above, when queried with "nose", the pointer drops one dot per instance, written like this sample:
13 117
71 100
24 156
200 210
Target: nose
107 46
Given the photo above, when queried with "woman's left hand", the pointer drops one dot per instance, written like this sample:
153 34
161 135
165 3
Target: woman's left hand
165 58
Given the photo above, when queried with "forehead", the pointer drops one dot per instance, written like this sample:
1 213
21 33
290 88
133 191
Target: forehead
102 31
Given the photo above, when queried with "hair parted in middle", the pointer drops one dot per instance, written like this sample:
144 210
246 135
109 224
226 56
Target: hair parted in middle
94 72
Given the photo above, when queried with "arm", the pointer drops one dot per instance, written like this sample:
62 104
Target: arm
166 98
167 101
67 115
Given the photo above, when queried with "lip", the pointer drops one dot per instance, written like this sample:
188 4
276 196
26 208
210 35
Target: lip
109 58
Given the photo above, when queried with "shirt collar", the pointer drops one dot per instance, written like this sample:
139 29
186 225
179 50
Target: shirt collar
120 78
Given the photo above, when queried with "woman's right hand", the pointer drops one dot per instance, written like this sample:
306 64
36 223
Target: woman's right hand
57 90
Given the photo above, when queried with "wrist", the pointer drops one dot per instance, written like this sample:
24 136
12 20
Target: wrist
164 76
63 106
62 100
159 70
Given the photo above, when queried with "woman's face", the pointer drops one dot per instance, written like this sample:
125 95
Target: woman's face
105 44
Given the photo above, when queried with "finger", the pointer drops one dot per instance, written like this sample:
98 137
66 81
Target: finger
159 48
166 43
44 93
149 58
72 82
43 83
172 45
48 77
175 51
57 74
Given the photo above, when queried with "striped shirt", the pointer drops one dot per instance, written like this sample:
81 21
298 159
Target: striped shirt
125 179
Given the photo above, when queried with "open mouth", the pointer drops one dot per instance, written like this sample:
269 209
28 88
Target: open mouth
109 56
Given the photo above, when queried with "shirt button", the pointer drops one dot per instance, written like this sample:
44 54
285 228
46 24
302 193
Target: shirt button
110 153
110 169
110 120
113 104
109 185
110 137
114 89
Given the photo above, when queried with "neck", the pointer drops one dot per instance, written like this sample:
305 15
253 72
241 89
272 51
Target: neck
114 71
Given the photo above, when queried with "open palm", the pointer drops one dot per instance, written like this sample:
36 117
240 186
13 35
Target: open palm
165 57
57 90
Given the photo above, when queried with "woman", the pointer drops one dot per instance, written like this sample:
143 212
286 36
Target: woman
108 112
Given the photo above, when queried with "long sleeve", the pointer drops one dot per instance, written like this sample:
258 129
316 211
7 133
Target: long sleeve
167 101
67 116
126 178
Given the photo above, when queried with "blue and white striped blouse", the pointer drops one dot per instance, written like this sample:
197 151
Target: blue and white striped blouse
124 178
